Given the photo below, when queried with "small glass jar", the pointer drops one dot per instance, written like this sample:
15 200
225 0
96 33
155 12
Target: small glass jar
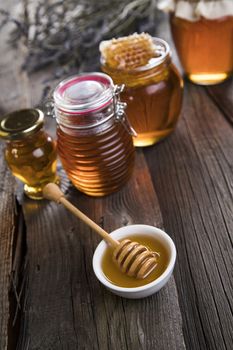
94 137
153 95
30 153
204 47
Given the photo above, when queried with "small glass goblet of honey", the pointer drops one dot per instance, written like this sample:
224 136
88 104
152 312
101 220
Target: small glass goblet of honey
30 152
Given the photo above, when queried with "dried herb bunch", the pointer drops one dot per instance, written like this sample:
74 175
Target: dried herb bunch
67 33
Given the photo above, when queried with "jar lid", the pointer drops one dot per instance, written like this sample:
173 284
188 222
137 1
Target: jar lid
21 123
84 93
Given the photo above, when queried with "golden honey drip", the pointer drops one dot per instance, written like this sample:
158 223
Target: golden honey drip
135 259
119 278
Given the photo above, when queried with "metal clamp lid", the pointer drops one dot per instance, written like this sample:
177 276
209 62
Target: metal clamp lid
84 93
120 108
110 94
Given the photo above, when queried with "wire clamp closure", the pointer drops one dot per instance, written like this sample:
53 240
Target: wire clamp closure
120 108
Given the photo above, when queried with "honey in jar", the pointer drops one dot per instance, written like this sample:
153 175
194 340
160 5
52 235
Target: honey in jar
203 35
94 138
204 47
153 86
30 153
115 276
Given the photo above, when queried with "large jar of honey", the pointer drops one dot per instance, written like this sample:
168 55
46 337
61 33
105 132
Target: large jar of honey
203 36
153 86
93 135
30 152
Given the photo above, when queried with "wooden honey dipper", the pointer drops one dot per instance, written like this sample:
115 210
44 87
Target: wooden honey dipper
132 258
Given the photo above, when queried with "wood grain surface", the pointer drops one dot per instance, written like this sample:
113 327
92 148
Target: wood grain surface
183 184
222 96
12 81
62 286
194 187
7 230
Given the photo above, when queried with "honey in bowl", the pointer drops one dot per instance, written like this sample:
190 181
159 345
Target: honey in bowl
118 278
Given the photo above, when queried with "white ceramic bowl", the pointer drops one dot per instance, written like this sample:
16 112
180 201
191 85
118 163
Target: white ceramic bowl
150 288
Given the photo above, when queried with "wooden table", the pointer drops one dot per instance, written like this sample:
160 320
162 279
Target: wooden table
49 296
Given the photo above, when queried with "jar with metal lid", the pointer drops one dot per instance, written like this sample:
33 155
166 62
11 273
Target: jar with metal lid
153 95
93 135
30 153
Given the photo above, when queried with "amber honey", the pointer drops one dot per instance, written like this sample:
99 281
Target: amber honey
94 142
154 109
115 276
153 94
97 163
30 153
205 48
33 161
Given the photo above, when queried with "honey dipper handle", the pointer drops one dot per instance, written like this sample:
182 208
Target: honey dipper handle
52 192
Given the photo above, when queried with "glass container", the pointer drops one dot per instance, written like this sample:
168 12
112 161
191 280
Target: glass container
94 137
153 94
30 152
205 47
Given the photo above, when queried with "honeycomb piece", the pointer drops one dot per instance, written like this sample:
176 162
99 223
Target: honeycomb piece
128 52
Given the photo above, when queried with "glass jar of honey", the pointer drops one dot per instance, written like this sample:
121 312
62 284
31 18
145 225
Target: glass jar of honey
204 47
30 153
94 137
203 35
153 94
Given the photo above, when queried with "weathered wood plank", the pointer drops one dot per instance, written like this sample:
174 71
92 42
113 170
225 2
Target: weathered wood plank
66 307
7 230
12 97
192 175
222 96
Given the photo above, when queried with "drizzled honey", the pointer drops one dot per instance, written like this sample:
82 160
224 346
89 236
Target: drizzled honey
115 276
153 90
205 48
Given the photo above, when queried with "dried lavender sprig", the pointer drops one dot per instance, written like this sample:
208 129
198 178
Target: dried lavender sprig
67 32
